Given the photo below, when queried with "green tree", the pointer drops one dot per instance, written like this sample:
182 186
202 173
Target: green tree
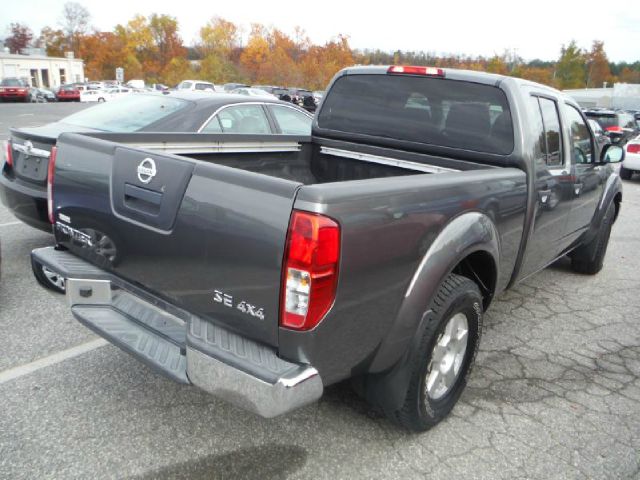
570 69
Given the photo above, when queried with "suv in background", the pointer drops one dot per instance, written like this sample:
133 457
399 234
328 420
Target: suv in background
620 126
196 85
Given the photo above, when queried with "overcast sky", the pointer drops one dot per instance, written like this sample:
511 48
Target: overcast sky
534 29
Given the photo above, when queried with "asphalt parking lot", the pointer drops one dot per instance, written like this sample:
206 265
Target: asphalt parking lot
555 392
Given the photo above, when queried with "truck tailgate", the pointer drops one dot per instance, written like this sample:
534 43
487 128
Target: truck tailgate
207 238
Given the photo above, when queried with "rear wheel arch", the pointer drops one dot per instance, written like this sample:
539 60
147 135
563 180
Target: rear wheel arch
617 201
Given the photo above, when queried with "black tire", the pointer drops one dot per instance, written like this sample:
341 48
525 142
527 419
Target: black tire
625 173
456 294
589 258
45 277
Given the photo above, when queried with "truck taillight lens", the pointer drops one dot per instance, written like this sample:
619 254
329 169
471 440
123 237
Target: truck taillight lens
614 129
310 273
8 153
50 172
633 148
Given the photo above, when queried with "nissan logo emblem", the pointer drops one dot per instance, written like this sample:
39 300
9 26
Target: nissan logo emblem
146 170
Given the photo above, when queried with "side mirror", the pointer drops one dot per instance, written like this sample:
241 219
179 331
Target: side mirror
612 154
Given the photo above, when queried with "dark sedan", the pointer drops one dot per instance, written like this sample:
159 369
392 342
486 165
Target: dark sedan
23 180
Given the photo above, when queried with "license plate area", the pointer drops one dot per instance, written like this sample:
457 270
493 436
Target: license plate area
30 167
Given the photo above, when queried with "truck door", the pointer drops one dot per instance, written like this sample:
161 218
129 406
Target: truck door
587 177
547 238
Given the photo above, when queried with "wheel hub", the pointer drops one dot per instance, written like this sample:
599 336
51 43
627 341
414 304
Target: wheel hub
447 356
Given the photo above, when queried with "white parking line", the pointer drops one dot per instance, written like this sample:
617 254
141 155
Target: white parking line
9 224
28 368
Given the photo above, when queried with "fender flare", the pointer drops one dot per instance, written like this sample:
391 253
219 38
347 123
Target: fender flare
470 232
612 188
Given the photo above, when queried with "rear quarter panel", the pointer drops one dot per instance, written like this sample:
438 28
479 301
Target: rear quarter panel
387 226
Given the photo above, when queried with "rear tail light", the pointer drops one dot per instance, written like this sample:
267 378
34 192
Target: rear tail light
429 71
614 129
8 153
50 172
310 273
633 148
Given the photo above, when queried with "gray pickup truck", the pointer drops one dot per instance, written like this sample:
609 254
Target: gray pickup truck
263 270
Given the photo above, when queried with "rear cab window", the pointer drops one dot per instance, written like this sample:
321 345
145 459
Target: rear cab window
427 110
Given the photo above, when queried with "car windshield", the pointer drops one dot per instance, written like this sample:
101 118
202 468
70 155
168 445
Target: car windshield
128 114
425 110
11 82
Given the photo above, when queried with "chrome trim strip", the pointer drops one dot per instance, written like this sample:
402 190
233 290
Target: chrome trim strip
30 150
366 157
222 147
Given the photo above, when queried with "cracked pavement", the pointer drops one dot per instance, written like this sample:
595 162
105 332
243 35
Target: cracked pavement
555 393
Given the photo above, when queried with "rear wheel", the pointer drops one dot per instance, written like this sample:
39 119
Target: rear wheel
589 258
625 173
100 100
441 364
48 278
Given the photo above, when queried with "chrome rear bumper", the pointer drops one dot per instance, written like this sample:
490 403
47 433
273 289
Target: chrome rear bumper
179 345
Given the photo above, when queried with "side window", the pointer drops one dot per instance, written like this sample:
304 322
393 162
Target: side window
290 121
244 119
581 144
540 152
213 126
551 121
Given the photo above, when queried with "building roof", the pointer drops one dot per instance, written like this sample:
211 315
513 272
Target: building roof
15 56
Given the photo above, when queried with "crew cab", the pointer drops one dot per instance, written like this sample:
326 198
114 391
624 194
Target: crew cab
264 270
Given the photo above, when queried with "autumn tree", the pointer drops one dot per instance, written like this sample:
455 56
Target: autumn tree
598 70
20 37
497 64
570 67
166 40
53 41
254 56
75 24
629 75
219 39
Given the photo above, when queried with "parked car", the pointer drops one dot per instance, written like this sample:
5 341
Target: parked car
252 92
368 251
228 87
118 92
620 126
68 93
136 83
14 89
631 163
196 85
23 180
94 96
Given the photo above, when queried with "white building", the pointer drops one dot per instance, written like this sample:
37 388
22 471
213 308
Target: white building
42 71
622 95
